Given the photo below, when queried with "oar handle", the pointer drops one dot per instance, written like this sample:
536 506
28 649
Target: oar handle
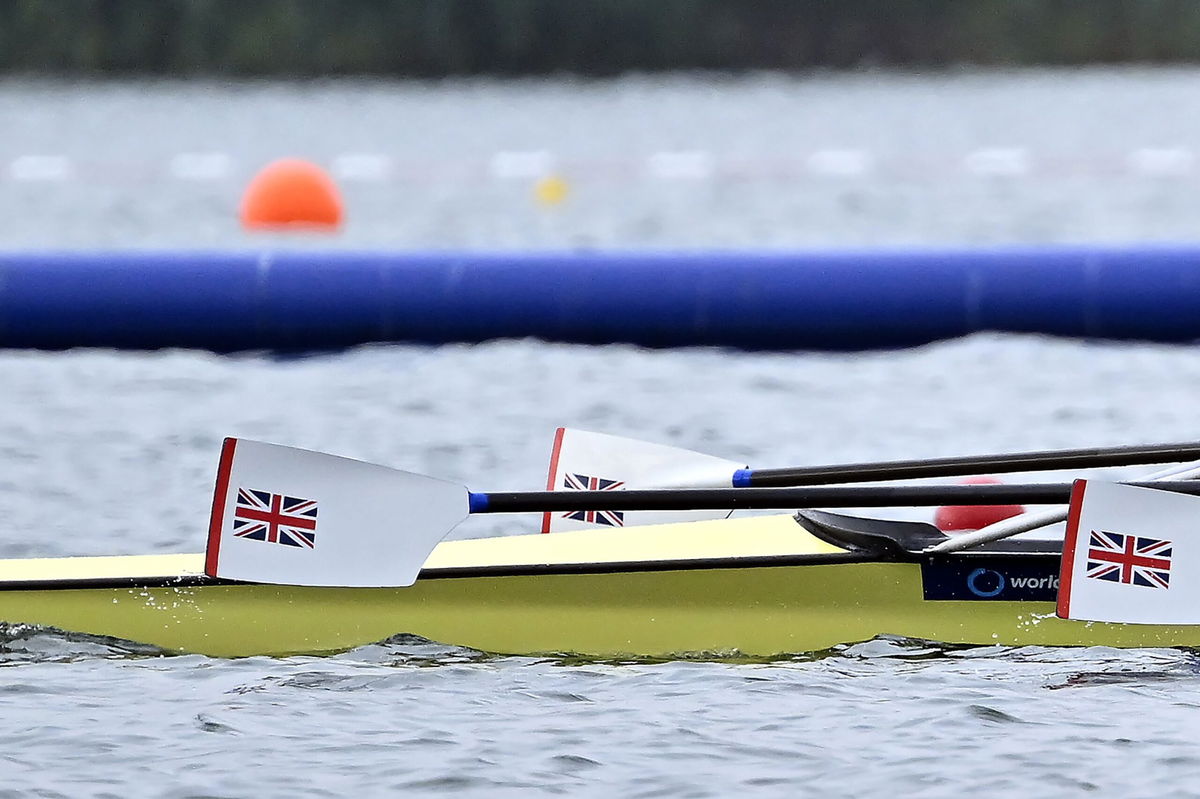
1096 458
776 498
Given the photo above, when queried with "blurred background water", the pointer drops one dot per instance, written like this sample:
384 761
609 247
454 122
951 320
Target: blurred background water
104 452
678 161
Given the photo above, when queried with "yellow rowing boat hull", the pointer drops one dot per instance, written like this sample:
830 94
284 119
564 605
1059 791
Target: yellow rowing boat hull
754 587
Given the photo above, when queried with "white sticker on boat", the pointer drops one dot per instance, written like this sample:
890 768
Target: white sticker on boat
586 461
1131 555
295 517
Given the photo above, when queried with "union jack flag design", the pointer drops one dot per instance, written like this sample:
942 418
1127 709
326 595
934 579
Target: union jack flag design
275 518
1131 559
581 482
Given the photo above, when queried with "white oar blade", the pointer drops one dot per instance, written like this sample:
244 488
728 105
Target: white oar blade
583 460
295 517
1131 555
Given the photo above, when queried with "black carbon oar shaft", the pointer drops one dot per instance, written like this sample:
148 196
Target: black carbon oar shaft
777 498
986 464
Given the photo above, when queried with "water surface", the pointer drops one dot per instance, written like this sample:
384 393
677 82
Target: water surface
106 453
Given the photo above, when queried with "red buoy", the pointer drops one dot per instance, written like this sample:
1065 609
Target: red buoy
291 194
961 518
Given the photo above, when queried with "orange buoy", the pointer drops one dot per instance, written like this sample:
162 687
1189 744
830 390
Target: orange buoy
291 194
961 518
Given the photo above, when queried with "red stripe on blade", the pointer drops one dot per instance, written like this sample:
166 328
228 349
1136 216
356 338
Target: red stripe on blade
1068 557
220 491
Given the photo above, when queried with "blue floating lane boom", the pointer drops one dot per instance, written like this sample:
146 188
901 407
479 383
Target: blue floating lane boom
230 301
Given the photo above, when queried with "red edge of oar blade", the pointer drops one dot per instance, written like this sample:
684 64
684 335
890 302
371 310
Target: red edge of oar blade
220 494
552 477
1063 609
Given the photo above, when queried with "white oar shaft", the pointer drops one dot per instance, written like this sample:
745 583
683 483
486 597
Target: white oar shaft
1001 529
1032 521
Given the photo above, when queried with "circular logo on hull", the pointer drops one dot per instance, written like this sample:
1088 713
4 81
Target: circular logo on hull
985 583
